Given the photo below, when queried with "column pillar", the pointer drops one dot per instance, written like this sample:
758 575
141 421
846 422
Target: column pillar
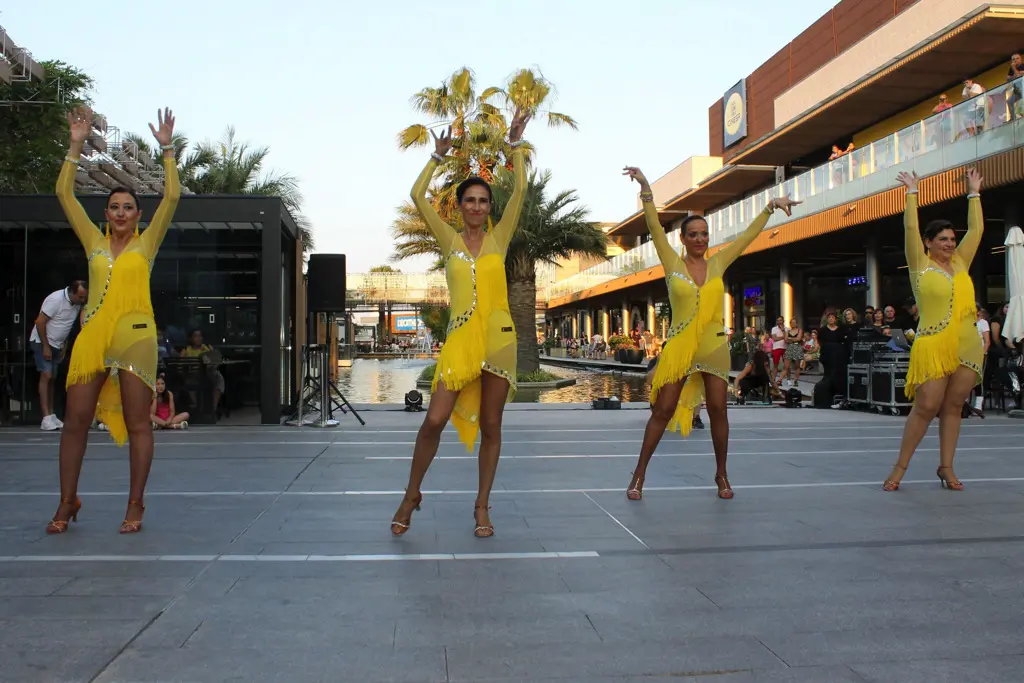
785 292
575 324
588 323
728 312
625 317
604 322
651 315
873 274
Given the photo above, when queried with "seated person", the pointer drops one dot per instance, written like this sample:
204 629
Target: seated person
161 411
197 349
755 375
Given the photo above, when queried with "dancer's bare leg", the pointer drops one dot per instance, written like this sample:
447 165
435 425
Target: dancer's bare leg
927 402
439 410
716 391
136 397
81 407
958 389
494 391
661 413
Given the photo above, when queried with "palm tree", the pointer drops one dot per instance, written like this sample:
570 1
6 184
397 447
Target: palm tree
549 229
232 167
479 126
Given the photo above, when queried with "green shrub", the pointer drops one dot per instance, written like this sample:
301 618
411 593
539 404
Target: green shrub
540 376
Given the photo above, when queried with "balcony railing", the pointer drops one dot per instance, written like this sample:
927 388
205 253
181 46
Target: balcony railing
990 123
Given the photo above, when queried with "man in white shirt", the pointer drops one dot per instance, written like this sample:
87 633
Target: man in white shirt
972 90
778 345
53 324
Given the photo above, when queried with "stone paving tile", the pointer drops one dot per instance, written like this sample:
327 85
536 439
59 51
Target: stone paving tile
786 583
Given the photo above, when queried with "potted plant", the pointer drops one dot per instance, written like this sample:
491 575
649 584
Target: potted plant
620 345
548 344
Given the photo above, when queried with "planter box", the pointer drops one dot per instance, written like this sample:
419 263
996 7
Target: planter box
634 356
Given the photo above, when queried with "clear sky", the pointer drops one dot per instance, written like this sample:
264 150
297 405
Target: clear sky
326 85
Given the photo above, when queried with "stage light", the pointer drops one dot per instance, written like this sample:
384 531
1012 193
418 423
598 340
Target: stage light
413 402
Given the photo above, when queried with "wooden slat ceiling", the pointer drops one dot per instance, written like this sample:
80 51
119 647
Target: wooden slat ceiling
972 47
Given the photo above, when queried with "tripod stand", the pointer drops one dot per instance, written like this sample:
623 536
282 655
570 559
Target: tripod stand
319 395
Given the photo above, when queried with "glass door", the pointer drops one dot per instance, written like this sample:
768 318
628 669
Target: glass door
15 326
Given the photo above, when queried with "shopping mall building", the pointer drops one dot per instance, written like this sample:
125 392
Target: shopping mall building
870 73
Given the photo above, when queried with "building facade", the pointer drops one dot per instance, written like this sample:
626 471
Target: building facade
831 119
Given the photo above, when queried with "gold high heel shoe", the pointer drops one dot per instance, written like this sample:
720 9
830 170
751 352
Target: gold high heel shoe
890 484
133 527
635 491
398 526
951 483
724 489
482 530
59 526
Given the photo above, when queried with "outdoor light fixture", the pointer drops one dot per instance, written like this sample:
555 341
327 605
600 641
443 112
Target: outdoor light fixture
413 402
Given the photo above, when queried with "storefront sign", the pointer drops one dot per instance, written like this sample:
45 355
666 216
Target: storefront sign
734 113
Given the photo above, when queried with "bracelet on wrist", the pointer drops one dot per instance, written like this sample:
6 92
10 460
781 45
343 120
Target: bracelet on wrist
972 195
437 157
71 159
647 197
910 192
167 148
517 144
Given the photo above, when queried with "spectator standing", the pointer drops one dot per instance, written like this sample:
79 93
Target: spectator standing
49 333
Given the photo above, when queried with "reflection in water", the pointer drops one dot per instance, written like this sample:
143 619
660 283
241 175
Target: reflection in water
387 381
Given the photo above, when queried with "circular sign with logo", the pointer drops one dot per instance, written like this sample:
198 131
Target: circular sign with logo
733 113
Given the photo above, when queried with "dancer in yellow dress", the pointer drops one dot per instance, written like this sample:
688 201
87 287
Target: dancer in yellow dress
113 363
946 357
695 359
476 373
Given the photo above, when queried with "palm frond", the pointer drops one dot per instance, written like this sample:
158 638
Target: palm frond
556 120
415 135
488 93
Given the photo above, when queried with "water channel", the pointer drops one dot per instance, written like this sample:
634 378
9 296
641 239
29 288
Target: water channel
387 381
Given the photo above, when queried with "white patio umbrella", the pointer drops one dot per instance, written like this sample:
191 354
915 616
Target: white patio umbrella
1013 328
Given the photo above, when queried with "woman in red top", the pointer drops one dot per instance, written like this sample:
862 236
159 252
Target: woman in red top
161 411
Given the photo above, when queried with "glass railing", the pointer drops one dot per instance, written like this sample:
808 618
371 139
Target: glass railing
943 140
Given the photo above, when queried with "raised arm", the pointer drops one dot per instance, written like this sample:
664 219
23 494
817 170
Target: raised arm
80 123
153 237
506 227
968 246
668 256
917 259
732 251
443 232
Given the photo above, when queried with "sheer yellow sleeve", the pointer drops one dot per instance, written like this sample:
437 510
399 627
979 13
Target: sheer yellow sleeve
88 234
444 233
668 256
506 227
968 246
732 251
154 235
917 259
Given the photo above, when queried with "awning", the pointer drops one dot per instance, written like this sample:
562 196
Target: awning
975 45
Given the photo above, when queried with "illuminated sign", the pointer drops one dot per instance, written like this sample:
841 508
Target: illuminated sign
734 114
857 281
405 323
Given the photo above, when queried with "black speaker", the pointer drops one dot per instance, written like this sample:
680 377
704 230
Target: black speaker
325 292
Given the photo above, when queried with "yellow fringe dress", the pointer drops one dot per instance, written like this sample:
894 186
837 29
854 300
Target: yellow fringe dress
947 335
481 336
118 331
696 342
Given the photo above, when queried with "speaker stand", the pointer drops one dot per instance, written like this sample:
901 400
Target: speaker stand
319 397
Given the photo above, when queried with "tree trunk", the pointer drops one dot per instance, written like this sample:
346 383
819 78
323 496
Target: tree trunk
522 302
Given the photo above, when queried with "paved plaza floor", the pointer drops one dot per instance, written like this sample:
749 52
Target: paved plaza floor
266 556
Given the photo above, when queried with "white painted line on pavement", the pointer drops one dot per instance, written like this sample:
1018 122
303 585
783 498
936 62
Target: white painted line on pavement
571 456
434 557
615 519
399 492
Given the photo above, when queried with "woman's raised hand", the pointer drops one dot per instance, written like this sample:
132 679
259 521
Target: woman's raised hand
785 203
974 181
164 131
80 123
909 180
636 174
443 142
